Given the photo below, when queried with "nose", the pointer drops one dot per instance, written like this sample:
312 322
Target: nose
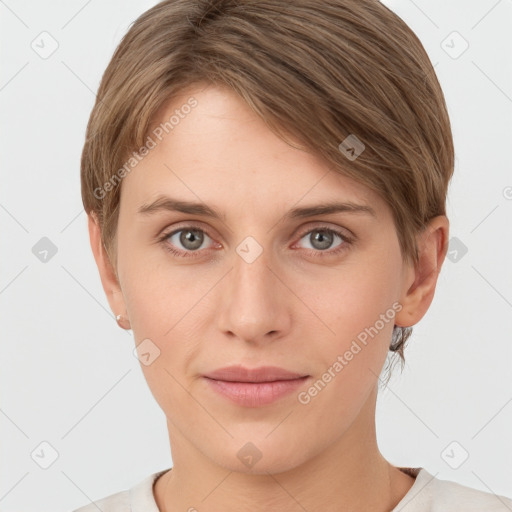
255 304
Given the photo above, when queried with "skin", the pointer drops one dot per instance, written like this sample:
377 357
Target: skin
297 306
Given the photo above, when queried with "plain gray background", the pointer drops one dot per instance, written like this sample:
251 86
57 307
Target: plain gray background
68 374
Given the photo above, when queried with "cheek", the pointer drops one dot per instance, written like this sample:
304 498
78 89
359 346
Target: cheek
159 324
360 316
165 310
359 308
359 296
157 294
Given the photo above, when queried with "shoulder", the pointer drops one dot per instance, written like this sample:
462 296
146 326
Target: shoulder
120 501
139 498
451 496
431 494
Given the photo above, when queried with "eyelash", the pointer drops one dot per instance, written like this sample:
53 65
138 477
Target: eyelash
347 241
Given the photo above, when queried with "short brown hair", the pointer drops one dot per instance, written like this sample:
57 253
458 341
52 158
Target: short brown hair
317 70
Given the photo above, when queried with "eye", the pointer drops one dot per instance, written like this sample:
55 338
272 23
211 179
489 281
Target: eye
188 240
322 238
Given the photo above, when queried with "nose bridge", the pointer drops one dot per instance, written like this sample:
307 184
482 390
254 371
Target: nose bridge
253 304
251 277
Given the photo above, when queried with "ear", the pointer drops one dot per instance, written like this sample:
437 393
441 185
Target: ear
420 281
108 276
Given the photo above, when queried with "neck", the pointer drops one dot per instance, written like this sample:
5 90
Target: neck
351 474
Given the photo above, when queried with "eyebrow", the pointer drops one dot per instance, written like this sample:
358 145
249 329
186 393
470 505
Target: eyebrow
165 203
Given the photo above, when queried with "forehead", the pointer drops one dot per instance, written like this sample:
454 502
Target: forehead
210 145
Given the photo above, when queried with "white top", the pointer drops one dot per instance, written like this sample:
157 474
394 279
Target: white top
427 494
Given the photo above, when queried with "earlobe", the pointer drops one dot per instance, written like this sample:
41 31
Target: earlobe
123 322
420 282
108 276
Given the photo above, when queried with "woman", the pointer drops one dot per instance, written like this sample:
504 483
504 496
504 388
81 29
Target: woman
265 183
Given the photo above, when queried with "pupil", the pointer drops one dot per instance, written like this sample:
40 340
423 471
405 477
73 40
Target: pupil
324 238
190 239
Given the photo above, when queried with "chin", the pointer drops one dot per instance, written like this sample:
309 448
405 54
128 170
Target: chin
261 458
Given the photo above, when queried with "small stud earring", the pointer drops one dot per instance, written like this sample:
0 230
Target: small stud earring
123 322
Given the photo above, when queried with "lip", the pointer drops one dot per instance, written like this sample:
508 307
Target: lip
254 387
239 373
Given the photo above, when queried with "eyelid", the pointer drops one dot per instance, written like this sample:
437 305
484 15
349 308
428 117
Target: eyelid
301 232
182 226
318 225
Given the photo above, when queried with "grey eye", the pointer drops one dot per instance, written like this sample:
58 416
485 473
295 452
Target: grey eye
321 239
190 239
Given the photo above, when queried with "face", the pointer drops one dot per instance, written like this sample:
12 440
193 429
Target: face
266 281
